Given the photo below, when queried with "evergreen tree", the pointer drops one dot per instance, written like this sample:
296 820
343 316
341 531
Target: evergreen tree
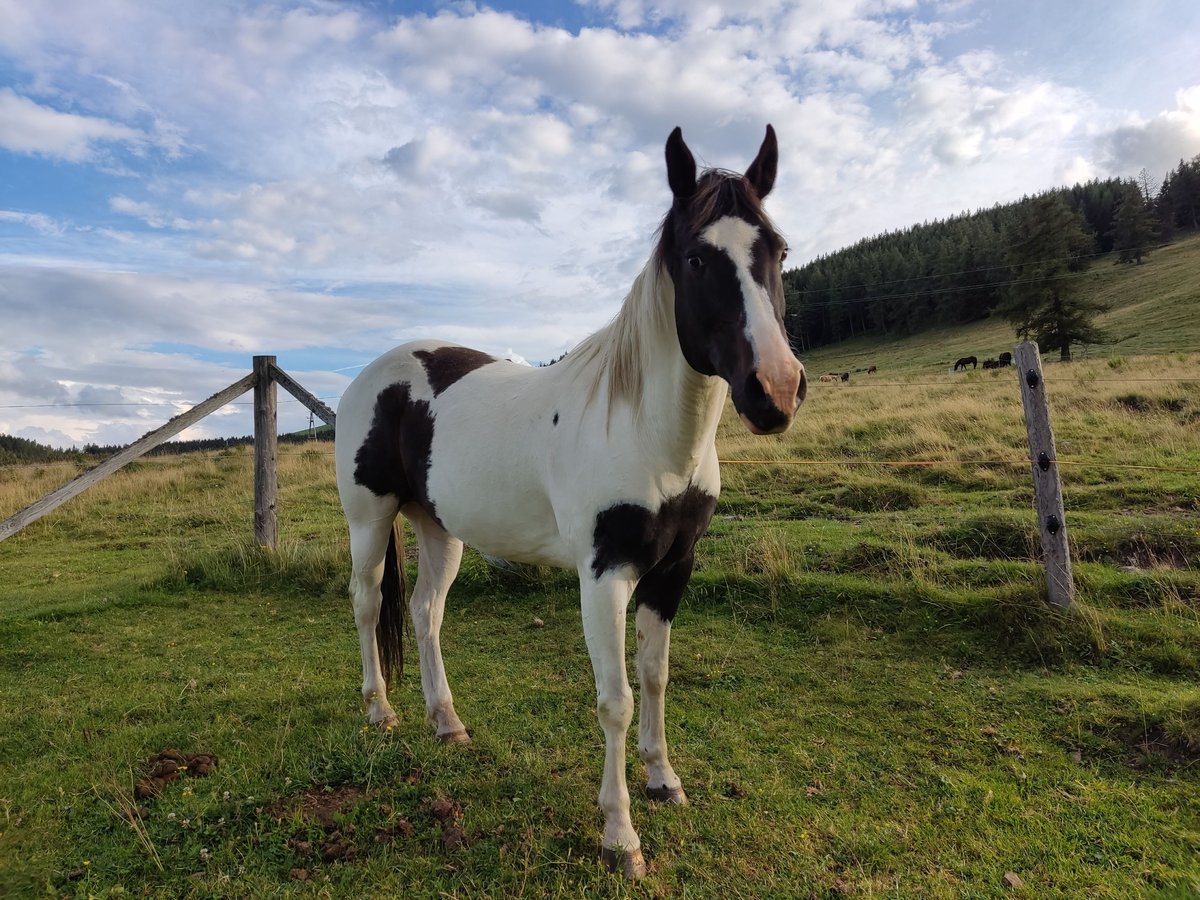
1043 301
1133 226
1145 185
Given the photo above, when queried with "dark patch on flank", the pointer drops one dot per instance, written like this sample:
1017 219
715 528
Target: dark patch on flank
446 365
556 418
394 458
658 545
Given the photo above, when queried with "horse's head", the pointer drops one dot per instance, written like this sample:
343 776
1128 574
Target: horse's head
724 257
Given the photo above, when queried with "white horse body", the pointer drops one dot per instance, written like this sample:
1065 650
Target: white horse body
510 481
604 462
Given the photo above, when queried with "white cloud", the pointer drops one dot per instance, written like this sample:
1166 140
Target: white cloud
1158 143
39 222
28 127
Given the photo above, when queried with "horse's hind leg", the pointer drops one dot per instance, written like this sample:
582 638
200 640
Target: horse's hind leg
440 556
658 595
371 520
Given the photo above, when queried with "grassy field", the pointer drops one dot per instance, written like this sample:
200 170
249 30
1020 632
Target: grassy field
868 698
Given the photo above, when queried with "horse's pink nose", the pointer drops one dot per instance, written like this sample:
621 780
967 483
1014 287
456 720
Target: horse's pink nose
784 383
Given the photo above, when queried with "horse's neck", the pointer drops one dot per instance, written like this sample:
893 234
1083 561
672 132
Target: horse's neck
680 408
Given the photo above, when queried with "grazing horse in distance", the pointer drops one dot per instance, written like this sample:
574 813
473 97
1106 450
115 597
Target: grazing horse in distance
827 379
991 364
964 362
604 463
871 370
1004 360
845 376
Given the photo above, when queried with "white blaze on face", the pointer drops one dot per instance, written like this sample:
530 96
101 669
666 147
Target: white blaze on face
777 368
736 237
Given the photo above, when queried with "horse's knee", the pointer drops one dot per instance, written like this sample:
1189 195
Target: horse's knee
654 679
615 711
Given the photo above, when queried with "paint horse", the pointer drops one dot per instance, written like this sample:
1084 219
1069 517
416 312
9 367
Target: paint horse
604 462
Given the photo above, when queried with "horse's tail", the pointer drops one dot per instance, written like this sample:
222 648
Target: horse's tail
389 632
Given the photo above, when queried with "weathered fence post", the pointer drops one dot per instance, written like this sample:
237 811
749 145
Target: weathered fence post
1047 485
266 446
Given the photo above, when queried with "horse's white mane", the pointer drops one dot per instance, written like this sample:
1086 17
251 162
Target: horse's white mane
619 354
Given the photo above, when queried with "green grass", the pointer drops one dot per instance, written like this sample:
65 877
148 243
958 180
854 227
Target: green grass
869 696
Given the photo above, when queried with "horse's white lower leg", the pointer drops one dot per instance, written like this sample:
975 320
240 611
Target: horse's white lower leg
368 544
654 645
604 610
439 559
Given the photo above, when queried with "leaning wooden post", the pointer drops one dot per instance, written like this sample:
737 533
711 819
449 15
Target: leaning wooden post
144 444
266 444
1047 485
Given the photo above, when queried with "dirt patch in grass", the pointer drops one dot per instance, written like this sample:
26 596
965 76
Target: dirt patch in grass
329 836
1168 547
320 805
1166 738
1157 745
448 815
333 847
1154 553
167 765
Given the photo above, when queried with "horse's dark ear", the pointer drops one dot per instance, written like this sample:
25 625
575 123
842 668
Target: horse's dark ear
681 166
761 173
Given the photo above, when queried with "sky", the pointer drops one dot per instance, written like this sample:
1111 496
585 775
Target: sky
184 185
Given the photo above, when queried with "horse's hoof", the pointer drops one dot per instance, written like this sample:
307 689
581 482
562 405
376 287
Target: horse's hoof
386 724
672 795
629 863
455 737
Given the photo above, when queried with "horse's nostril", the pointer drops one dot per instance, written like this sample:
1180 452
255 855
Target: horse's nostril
802 390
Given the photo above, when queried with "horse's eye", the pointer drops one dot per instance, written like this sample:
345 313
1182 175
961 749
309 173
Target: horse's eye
695 262
783 254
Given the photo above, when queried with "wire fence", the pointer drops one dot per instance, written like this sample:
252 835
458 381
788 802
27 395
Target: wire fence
866 381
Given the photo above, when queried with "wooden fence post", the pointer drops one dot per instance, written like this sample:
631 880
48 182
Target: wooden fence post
293 387
266 446
1047 485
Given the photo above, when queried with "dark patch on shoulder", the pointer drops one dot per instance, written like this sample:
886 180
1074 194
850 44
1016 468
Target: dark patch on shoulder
394 458
446 365
628 534
556 418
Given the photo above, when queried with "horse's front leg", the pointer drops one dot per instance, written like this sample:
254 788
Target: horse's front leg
605 602
658 596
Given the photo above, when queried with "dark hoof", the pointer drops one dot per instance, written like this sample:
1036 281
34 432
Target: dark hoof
667 795
455 737
628 862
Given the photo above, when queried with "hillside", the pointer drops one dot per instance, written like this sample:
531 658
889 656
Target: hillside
1155 310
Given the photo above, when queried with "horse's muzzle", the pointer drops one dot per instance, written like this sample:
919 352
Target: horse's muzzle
767 404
